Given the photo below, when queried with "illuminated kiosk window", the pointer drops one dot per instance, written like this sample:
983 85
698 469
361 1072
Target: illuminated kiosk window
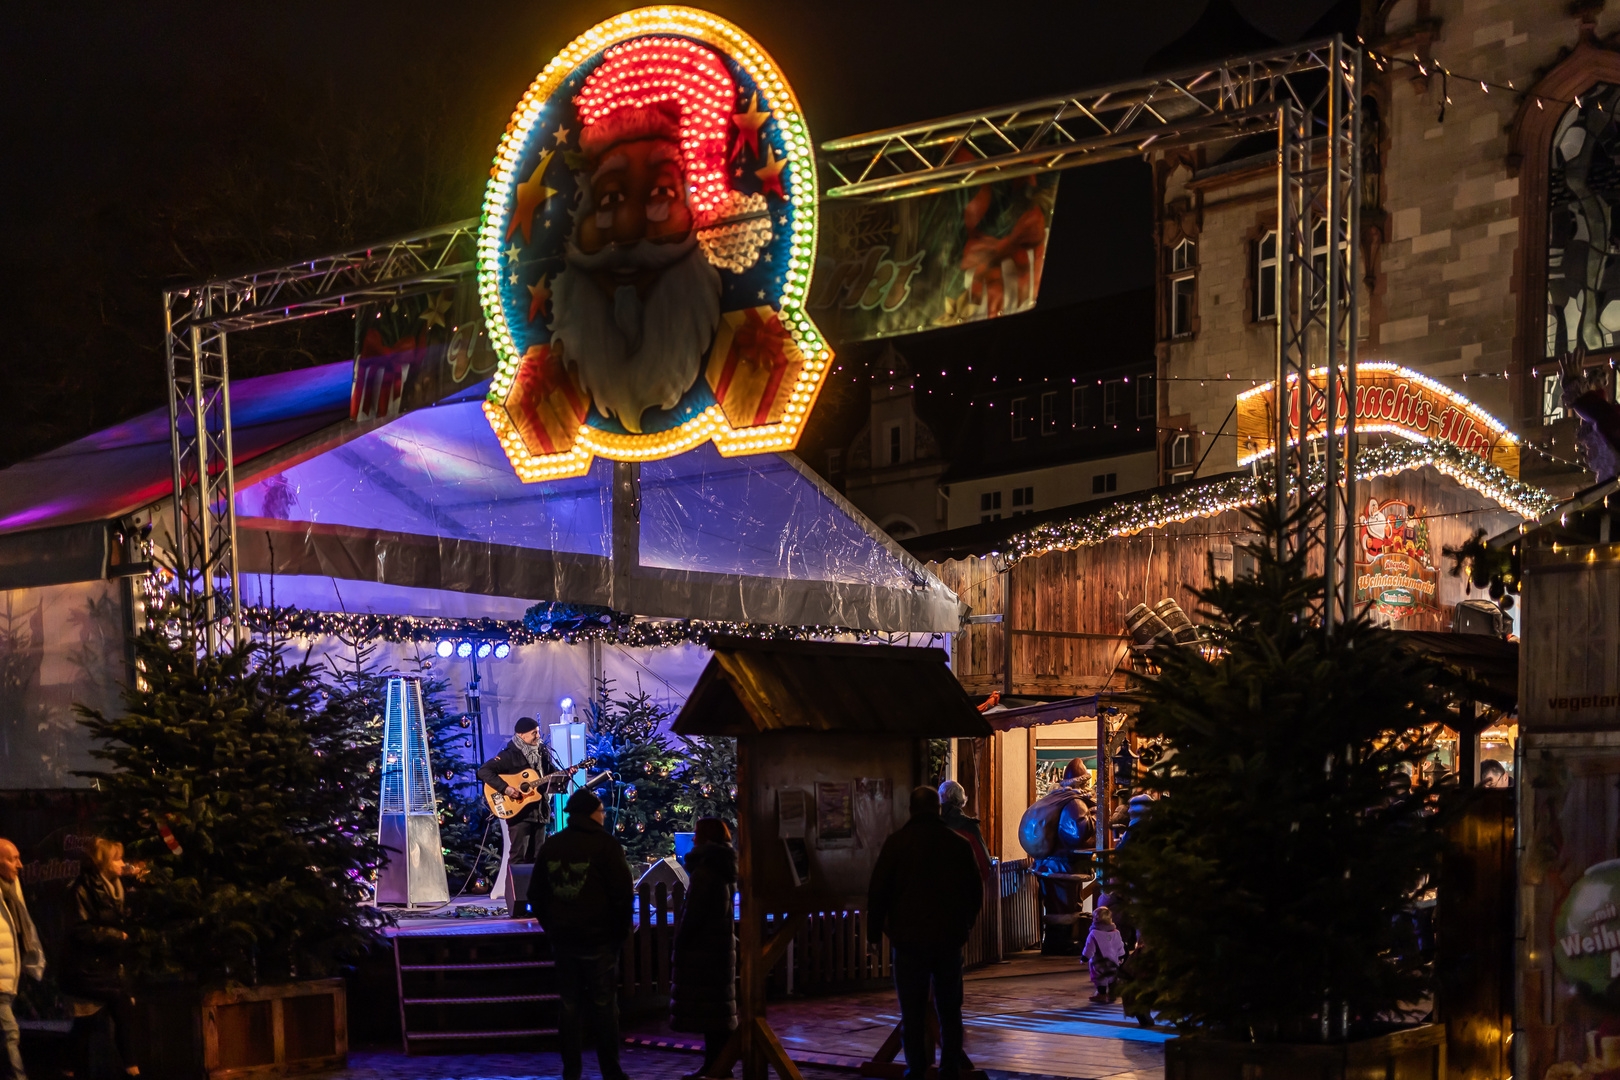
1390 400
408 828
647 239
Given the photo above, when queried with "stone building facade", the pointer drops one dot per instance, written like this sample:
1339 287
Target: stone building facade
1474 199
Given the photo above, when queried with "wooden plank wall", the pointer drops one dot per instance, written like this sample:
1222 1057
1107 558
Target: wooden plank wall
1068 608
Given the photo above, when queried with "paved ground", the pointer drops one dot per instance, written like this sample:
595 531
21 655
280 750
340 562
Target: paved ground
1030 1018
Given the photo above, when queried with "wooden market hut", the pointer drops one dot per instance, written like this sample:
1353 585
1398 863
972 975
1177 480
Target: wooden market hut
1048 592
830 741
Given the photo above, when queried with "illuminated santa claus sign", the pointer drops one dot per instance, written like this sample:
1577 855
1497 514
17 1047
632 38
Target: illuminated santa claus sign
1390 399
648 233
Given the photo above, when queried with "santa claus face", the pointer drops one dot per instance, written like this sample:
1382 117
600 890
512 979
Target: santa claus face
637 304
638 193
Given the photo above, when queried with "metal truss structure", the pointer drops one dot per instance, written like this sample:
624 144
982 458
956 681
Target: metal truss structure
198 320
1310 95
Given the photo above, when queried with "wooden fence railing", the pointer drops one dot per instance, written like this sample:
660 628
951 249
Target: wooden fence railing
829 952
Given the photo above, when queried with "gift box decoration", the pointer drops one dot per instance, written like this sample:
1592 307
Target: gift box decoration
753 366
546 404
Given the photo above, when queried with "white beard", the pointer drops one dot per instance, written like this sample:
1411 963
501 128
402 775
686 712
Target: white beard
630 356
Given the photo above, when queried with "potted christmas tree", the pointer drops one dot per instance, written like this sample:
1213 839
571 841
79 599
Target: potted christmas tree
241 797
1273 880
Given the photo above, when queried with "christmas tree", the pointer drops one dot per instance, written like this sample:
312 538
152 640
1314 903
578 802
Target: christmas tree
243 799
627 739
1272 882
708 780
356 686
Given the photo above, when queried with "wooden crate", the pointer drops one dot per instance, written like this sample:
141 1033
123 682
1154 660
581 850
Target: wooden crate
246 1032
1415 1053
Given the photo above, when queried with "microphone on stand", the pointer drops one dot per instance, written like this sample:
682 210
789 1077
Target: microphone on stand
600 778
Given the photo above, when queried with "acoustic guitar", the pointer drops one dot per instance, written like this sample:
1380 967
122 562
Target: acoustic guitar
531 787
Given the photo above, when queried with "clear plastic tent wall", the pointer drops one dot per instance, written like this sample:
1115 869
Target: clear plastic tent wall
425 516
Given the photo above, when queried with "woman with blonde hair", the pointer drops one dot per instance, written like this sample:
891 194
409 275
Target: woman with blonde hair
93 968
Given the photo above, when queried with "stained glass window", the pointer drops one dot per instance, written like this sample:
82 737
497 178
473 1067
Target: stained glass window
1583 245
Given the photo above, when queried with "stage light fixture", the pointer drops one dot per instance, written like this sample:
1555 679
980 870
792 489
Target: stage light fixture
503 650
566 704
464 649
445 648
484 649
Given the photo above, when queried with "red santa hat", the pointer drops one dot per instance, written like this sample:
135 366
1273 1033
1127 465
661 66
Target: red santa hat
660 87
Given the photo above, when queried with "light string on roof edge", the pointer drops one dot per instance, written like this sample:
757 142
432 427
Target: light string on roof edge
1218 496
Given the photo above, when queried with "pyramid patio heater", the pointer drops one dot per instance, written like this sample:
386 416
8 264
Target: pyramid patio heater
409 821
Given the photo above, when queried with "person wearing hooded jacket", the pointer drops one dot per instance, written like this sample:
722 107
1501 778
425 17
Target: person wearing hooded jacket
93 976
703 998
925 894
582 895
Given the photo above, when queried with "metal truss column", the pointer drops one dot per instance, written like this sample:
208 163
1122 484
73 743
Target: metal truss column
1318 210
204 540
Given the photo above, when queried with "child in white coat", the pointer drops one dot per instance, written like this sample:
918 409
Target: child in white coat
1104 952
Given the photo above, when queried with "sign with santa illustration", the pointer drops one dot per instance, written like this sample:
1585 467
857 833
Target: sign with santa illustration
647 239
1395 572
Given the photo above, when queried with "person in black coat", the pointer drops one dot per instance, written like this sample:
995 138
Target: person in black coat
93 964
925 895
582 895
704 996
527 829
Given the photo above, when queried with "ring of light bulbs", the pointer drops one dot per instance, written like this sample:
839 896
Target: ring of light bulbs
791 283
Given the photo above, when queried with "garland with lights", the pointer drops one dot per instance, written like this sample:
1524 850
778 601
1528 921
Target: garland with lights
1232 492
360 626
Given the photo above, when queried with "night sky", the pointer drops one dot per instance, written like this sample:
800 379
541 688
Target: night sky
115 114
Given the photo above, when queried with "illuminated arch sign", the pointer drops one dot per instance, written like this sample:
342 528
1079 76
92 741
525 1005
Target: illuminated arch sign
647 238
1390 399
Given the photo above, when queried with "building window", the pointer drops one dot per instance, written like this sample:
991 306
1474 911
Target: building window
1583 227
1023 500
1087 406
1147 404
988 502
894 444
835 464
1110 401
1552 399
1049 412
1265 277
1103 483
1020 418
1179 450
1183 286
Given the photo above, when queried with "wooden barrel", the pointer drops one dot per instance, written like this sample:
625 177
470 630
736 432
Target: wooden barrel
1181 627
1146 627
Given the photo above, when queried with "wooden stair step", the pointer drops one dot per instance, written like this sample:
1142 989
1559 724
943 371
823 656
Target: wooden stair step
506 965
417 1036
501 1000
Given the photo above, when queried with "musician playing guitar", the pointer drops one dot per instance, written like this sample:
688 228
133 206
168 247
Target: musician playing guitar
527 828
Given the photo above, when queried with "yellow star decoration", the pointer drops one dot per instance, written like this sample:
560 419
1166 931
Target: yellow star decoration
539 295
512 253
437 306
562 134
748 123
770 176
531 195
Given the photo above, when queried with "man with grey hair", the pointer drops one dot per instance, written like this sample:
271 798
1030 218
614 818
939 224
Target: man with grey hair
19 954
953 812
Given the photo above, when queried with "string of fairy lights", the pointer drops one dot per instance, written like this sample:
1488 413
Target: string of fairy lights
1210 498
303 624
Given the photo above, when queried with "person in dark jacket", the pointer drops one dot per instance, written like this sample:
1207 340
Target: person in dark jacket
925 895
704 996
93 964
527 829
583 897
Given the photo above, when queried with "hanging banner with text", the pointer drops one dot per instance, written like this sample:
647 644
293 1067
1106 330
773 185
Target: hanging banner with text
1389 399
884 269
